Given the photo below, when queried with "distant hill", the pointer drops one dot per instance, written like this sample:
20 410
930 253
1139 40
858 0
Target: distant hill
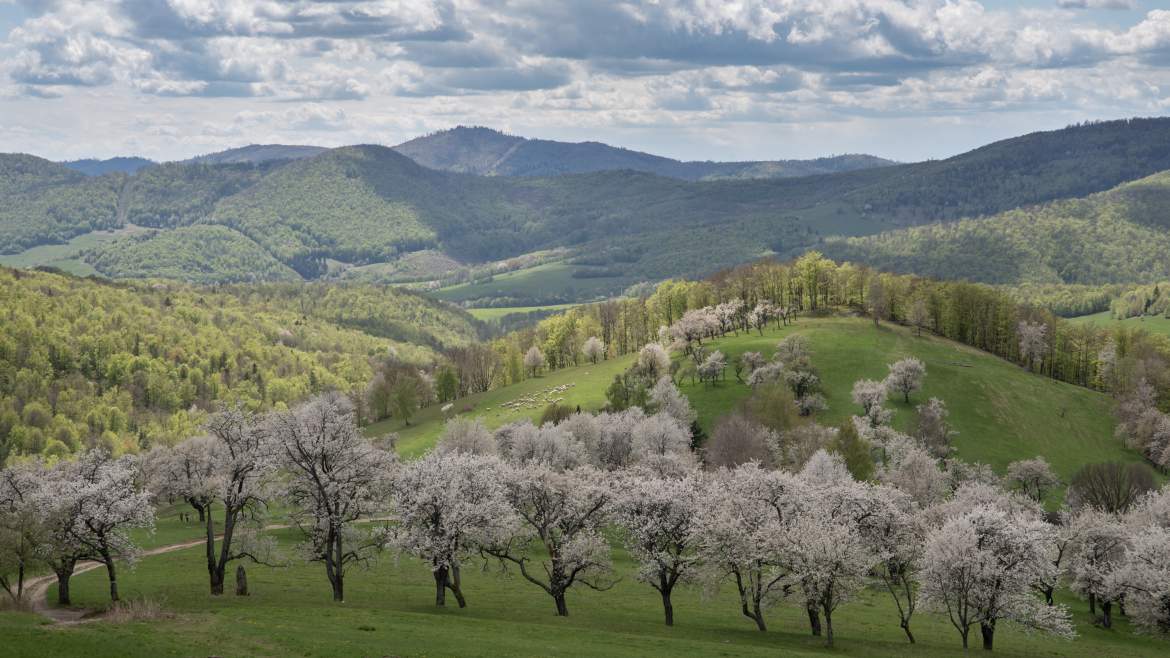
256 153
362 205
1118 236
92 167
487 152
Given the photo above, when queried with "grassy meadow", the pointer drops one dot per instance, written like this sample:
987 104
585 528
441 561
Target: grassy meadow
1155 324
547 282
1001 412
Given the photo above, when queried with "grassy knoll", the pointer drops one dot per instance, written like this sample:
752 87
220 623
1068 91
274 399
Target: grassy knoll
588 383
1001 412
388 611
1155 324
546 283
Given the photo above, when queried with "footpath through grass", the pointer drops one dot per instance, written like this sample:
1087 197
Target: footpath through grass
388 611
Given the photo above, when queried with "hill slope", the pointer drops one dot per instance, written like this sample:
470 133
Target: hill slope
1112 237
257 153
487 152
369 204
84 362
93 167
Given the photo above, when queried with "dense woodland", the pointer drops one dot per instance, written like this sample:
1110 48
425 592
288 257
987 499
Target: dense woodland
1117 236
86 363
370 204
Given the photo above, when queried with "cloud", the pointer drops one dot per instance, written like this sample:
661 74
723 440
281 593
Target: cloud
1097 4
374 69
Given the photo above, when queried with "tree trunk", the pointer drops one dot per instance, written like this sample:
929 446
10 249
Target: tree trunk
241 581
906 628
562 607
113 577
440 586
963 634
828 627
988 631
1107 614
63 576
455 583
814 619
667 607
1092 604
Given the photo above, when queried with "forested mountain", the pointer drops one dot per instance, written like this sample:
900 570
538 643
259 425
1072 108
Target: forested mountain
46 202
368 204
256 153
1118 236
93 167
86 362
487 152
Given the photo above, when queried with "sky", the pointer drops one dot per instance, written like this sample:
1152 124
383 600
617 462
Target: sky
690 79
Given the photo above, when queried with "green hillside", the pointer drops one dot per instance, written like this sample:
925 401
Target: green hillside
369 204
45 202
85 362
1113 237
1001 412
197 254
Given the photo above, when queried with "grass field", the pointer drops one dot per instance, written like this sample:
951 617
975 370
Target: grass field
1001 412
546 283
490 314
1155 324
65 256
388 611
586 383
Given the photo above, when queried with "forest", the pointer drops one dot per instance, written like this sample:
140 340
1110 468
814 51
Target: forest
363 205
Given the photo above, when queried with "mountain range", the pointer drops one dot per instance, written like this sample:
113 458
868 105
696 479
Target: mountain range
257 214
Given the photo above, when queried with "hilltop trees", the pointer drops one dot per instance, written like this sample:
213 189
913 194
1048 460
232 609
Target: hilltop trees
534 360
335 477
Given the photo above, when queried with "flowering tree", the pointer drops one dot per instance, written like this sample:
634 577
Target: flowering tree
228 469
711 370
550 445
21 527
447 506
871 395
1145 579
743 516
466 436
98 496
1034 477
905 377
1099 549
931 428
593 349
563 513
667 399
657 516
978 568
653 362
534 360
335 477
1033 342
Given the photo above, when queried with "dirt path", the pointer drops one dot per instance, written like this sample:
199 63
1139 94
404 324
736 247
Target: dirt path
38 588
